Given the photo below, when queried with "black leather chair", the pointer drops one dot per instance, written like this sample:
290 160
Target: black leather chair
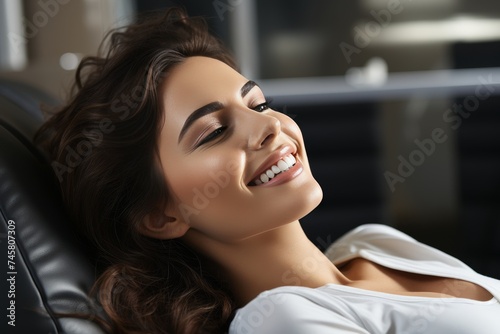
51 270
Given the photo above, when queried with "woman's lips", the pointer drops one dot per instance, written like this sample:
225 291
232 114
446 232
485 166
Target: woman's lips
271 160
285 169
280 166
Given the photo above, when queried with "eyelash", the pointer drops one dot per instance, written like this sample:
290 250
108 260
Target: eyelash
212 135
217 132
262 107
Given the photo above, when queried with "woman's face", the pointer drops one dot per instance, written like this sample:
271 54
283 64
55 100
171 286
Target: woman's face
218 141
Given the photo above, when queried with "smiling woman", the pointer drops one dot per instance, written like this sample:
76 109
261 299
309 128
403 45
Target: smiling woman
234 126
193 194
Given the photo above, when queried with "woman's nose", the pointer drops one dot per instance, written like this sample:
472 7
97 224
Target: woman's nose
262 130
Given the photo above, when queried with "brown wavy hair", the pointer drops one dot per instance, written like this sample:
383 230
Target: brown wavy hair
103 147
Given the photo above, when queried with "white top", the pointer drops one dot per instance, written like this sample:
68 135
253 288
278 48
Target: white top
335 308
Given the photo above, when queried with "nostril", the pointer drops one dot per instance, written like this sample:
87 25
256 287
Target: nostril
268 138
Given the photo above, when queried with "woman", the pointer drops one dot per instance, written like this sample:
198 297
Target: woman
191 187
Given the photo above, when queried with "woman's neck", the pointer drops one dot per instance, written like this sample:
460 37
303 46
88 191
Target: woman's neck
283 256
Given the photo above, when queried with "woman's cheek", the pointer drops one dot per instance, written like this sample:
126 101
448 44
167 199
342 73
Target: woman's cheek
201 186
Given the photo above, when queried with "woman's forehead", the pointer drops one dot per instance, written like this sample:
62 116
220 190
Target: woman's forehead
204 76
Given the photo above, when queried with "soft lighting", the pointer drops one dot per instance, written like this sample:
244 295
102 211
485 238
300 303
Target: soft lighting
373 74
459 28
69 61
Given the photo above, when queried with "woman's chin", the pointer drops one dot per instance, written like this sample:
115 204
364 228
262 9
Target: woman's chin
308 200
313 198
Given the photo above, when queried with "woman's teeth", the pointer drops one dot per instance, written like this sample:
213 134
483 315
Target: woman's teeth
281 166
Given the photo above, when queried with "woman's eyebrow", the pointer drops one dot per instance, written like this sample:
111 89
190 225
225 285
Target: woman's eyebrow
210 108
247 87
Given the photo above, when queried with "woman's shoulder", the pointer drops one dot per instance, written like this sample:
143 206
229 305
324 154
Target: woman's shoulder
290 310
379 242
394 249
370 232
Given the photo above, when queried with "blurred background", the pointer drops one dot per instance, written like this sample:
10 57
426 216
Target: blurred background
398 100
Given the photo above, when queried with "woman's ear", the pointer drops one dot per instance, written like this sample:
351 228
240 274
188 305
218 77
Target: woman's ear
157 224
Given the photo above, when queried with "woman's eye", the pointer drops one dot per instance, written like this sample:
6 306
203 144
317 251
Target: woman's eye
212 135
261 107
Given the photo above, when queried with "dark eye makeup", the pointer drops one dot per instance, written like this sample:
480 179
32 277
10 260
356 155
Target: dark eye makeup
212 135
220 130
